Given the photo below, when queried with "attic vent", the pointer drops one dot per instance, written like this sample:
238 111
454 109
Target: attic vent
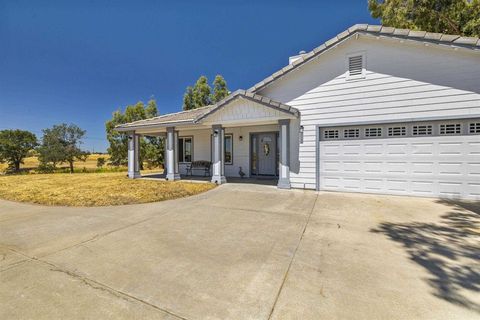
355 65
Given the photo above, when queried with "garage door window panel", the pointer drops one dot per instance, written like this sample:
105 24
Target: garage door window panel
330 134
450 129
351 133
373 132
397 131
422 130
474 128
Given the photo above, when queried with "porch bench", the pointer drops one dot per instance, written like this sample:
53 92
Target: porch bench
199 165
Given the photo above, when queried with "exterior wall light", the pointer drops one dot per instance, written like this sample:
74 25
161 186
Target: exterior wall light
301 134
240 138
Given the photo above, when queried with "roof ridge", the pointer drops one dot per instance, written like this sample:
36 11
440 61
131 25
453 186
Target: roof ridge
183 111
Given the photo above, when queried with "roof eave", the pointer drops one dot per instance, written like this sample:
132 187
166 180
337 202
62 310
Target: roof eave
153 126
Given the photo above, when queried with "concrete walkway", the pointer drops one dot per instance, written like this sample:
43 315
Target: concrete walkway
243 252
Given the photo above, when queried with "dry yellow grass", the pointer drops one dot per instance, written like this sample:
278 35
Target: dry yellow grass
93 189
32 162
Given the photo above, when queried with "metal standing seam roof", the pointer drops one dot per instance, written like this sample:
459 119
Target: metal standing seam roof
376 30
196 115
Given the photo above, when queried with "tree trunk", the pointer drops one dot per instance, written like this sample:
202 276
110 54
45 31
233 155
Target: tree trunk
16 165
71 166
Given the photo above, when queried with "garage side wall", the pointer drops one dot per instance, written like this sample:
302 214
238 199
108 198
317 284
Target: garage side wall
404 81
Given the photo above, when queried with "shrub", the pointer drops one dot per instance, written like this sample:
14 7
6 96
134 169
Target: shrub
46 168
100 162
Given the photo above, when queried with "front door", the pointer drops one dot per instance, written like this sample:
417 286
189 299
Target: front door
266 153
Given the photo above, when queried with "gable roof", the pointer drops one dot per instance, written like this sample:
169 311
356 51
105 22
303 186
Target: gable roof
252 97
376 30
196 115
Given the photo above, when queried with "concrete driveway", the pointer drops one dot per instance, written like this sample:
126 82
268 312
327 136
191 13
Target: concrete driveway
243 252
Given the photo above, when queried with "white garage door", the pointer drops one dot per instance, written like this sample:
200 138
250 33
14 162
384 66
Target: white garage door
432 159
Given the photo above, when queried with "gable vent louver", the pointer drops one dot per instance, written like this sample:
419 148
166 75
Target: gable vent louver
355 65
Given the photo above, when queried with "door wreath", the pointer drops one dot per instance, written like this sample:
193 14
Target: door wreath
266 149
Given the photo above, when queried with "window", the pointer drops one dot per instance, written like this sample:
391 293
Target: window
425 130
330 134
454 128
373 132
185 149
228 149
397 131
475 127
351 133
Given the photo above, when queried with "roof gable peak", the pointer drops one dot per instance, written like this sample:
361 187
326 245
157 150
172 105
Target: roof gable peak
378 30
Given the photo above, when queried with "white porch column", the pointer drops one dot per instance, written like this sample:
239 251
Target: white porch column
133 154
218 175
171 159
284 166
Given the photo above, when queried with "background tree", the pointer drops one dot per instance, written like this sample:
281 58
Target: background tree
201 94
50 152
15 145
188 99
444 16
220 89
61 143
100 162
151 148
118 140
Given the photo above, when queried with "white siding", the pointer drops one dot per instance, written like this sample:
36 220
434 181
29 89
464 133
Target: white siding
243 110
404 81
241 149
201 146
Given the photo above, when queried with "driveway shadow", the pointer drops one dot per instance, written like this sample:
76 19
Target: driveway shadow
449 250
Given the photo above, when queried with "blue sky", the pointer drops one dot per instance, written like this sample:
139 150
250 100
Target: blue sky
78 61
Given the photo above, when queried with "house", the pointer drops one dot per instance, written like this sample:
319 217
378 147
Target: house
375 109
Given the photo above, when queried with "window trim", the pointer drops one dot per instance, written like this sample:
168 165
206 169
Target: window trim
211 148
347 65
178 151
225 149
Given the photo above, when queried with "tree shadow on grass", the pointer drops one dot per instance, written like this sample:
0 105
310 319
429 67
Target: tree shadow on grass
449 250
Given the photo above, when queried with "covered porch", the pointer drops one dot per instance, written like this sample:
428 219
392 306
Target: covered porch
244 137
267 181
